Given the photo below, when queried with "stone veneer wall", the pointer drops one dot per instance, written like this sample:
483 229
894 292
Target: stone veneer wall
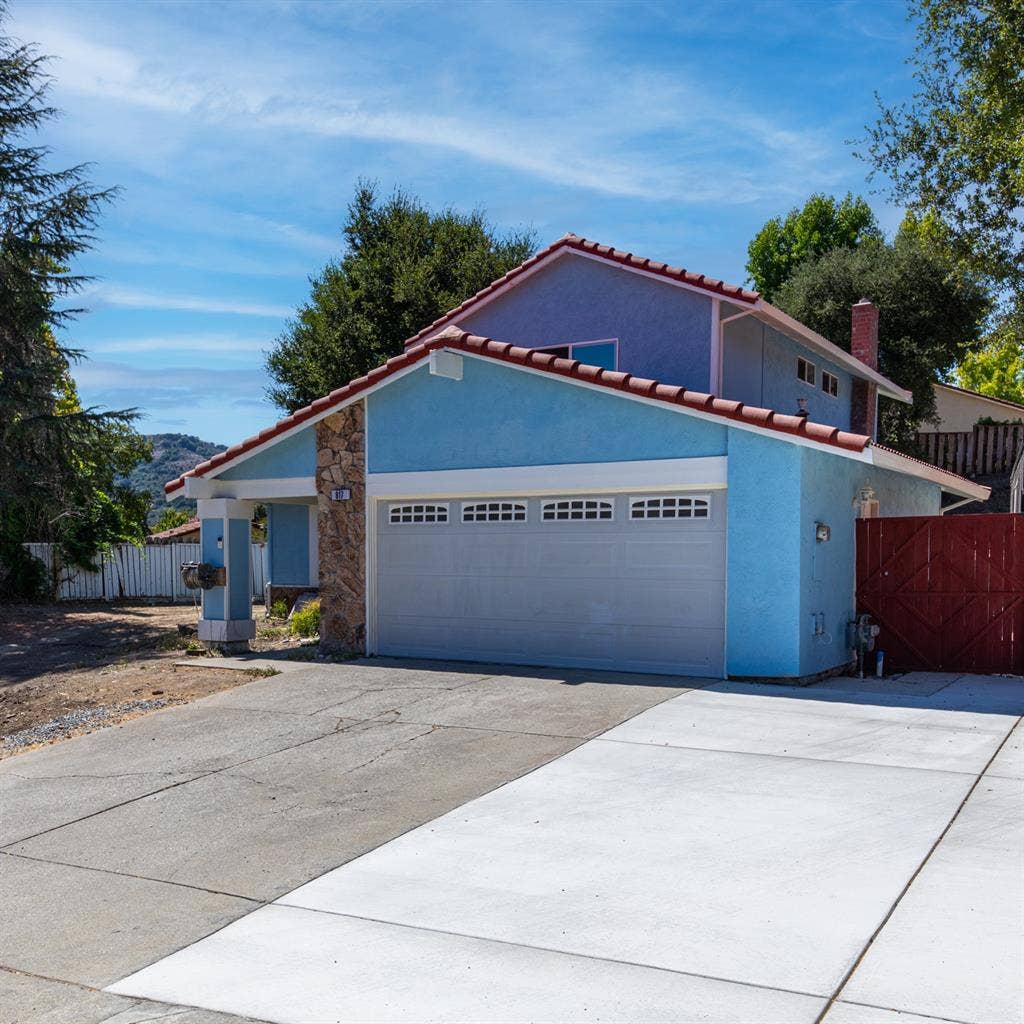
341 462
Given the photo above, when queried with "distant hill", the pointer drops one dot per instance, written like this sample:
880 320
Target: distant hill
173 454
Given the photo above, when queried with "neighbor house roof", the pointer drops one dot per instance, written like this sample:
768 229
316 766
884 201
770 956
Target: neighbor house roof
192 526
794 427
749 301
1017 406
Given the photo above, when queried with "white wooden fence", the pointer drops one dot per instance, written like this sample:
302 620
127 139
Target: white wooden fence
130 572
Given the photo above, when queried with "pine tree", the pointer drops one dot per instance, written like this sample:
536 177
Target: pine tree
58 462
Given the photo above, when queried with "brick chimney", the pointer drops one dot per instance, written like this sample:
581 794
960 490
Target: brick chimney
864 346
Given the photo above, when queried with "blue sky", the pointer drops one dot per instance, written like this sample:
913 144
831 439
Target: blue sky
237 132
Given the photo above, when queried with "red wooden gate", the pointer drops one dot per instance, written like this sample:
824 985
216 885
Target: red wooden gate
947 591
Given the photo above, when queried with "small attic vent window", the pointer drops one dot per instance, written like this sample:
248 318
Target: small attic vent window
670 507
403 514
576 509
494 512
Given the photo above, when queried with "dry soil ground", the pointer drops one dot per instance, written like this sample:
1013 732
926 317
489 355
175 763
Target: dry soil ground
70 668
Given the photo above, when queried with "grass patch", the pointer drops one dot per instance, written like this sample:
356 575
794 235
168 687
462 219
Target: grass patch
279 609
263 672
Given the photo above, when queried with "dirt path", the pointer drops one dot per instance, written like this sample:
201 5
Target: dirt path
70 668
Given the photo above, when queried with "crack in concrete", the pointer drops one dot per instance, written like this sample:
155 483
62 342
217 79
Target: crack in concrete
139 878
116 775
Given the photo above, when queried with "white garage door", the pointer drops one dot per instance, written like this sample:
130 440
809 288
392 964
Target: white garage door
628 581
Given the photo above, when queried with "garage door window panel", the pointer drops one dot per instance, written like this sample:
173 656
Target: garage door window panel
575 510
405 515
494 512
670 506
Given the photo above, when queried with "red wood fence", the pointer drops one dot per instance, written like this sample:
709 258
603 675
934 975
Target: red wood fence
947 591
985 449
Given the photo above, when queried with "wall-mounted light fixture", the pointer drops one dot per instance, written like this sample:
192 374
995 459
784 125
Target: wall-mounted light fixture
822 532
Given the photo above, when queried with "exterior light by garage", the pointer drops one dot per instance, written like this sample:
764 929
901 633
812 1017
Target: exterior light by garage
444 363
822 532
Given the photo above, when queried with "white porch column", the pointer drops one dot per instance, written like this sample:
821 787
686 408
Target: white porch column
225 542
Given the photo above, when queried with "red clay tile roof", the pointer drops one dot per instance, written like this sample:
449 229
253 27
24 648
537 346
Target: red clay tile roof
627 259
192 526
453 338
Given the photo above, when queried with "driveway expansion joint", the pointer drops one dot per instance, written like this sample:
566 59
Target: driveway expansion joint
835 997
281 902
781 757
916 1013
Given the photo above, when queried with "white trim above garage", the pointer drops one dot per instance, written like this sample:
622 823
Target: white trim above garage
577 478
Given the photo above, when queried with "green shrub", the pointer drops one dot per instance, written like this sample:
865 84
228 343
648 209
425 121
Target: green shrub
306 621
279 609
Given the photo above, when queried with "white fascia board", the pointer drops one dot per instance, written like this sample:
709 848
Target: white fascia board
261 490
685 410
792 327
285 434
950 482
574 478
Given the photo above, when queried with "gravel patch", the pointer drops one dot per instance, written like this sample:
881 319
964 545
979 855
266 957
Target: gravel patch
81 718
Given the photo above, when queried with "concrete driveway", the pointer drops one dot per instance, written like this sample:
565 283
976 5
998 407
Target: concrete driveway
120 847
846 852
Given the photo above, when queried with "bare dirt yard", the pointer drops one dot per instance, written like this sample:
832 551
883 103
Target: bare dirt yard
69 668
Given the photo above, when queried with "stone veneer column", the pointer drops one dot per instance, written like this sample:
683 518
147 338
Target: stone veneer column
341 462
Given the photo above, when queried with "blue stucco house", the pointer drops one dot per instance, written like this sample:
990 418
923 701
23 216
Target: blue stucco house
598 461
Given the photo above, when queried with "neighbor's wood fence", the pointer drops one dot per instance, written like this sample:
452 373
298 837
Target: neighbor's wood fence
130 572
985 449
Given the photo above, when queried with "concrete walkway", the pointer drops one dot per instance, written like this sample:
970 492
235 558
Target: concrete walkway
848 853
121 847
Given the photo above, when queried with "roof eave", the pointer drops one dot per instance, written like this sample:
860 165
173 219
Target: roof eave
790 325
885 458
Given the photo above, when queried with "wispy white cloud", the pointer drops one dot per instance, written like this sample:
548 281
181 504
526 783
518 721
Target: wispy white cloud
140 298
643 135
181 344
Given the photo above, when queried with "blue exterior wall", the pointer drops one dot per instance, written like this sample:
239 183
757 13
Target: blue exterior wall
210 532
664 331
500 416
759 368
294 456
778 574
763 556
241 553
828 568
288 544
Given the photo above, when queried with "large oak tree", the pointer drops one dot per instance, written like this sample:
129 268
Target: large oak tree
402 267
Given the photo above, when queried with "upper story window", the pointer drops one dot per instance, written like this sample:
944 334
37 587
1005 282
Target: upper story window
805 370
603 352
829 383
